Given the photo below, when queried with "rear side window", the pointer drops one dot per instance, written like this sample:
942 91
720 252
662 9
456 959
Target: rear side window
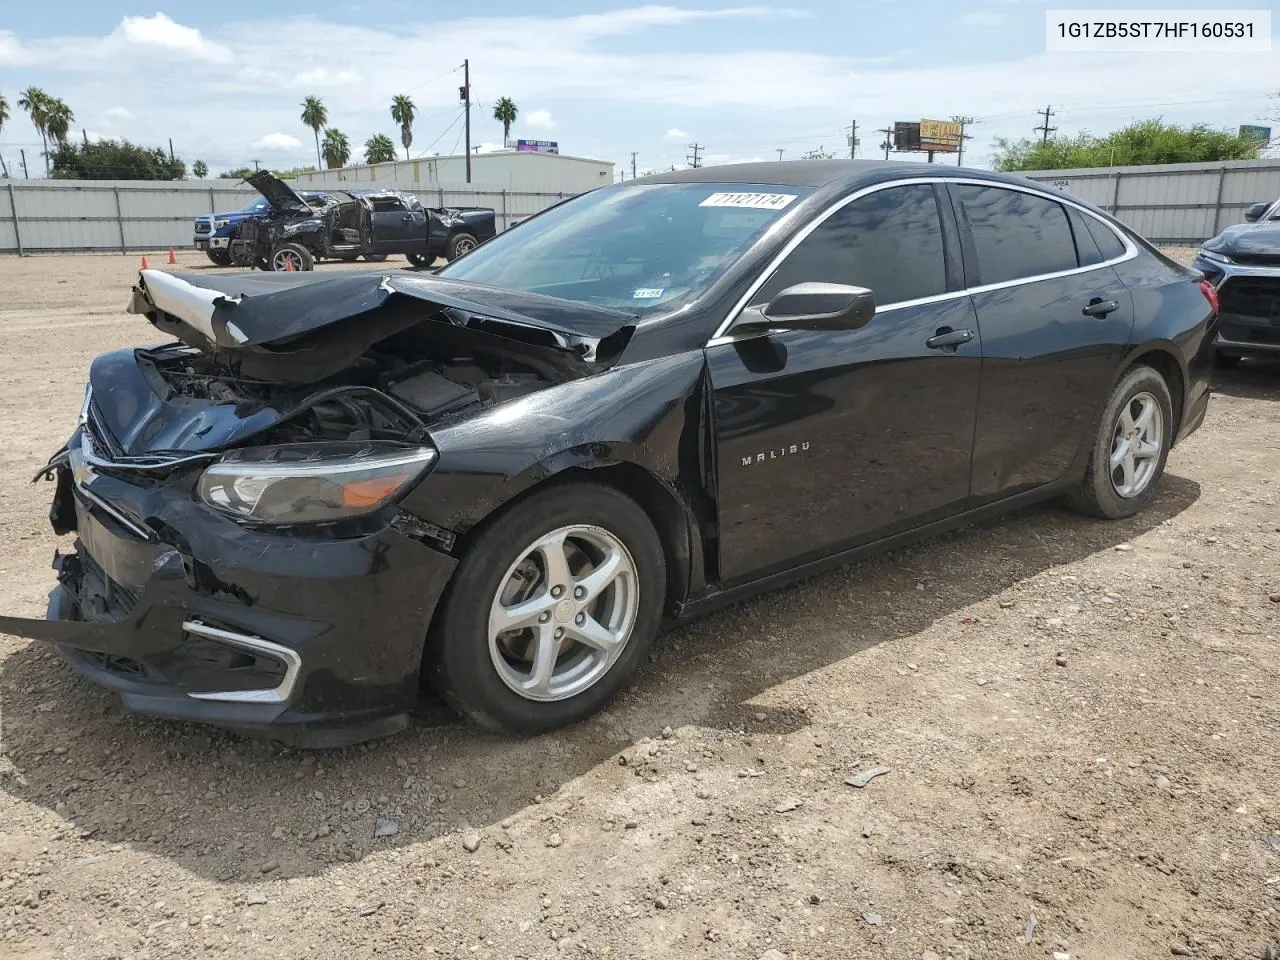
1016 235
387 205
1106 240
889 241
1085 245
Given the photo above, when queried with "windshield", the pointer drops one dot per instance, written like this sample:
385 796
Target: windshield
259 205
641 249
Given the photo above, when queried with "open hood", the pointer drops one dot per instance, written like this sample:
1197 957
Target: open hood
305 326
278 193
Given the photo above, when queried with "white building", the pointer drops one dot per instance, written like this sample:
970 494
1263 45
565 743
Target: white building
510 170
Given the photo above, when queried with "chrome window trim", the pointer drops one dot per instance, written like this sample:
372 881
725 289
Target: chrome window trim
277 694
722 334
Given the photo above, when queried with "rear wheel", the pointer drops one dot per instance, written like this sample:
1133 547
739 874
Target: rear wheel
375 257
292 256
1130 449
1227 360
551 611
220 257
460 244
420 259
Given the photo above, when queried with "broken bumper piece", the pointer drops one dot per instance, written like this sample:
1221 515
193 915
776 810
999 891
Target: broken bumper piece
248 629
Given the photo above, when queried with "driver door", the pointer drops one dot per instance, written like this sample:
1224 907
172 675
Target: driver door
826 440
392 225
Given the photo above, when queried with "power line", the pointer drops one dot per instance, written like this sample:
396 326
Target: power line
1044 128
693 159
457 117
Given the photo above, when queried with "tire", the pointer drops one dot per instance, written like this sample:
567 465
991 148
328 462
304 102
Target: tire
420 259
460 244
348 257
474 669
1104 492
300 255
1227 360
375 257
219 257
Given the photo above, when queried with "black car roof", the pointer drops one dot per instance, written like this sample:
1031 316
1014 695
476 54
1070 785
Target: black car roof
820 173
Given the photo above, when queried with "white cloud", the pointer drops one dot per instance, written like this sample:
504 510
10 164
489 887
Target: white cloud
539 118
982 18
118 113
276 141
675 133
319 77
159 33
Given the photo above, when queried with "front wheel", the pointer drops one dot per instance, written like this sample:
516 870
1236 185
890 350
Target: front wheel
375 257
551 611
420 259
292 256
1130 449
220 257
460 244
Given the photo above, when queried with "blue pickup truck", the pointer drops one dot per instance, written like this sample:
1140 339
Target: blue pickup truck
213 232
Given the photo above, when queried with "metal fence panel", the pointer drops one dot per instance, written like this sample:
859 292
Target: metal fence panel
131 216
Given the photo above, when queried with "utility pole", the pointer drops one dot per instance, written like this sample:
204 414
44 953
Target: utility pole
853 140
633 164
84 133
964 122
25 174
170 149
255 165
466 99
781 150
693 159
1045 129
887 142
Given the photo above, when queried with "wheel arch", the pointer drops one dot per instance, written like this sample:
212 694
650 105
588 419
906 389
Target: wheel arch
1163 358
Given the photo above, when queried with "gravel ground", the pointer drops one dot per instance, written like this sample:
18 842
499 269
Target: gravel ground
1077 718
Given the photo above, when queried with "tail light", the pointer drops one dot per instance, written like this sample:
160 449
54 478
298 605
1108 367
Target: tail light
1211 294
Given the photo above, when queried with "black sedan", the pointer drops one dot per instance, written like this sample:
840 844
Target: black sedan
1243 263
657 397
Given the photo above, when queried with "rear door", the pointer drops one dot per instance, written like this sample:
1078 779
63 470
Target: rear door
1055 321
392 225
825 439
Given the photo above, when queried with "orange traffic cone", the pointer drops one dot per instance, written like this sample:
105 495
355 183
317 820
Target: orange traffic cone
145 265
172 258
288 265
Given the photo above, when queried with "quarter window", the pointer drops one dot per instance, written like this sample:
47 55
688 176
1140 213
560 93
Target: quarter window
1085 245
889 241
1106 239
1016 235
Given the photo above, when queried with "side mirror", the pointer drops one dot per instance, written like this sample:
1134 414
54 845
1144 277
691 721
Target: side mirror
1254 213
813 306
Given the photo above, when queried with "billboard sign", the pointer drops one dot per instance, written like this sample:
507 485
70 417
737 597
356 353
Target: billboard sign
906 136
1249 131
940 136
537 146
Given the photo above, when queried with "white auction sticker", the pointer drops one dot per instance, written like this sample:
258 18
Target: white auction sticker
648 293
749 201
1157 31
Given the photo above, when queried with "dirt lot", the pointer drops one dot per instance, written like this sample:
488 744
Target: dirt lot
1079 718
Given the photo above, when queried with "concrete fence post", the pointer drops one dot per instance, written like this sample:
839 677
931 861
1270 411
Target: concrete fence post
213 204
119 218
1115 196
17 231
1217 204
504 209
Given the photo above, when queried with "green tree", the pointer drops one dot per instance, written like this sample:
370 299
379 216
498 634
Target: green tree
315 116
379 149
402 112
58 121
36 102
1144 142
239 173
336 148
115 160
200 169
505 112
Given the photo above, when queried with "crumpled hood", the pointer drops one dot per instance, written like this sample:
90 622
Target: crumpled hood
278 193
1248 239
306 326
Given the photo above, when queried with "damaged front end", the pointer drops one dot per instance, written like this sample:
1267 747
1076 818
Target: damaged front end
242 554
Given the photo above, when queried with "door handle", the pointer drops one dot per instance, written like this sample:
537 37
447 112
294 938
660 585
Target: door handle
947 339
1100 308
407 217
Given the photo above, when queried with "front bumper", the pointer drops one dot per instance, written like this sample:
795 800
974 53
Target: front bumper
204 241
1249 318
314 640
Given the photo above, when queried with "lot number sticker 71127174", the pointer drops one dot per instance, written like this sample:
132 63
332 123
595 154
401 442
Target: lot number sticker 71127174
749 201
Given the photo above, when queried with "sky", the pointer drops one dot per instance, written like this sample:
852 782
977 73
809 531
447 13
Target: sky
744 80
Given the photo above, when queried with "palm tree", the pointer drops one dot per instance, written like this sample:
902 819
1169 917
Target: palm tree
379 149
505 112
315 116
402 112
336 148
58 120
36 102
200 169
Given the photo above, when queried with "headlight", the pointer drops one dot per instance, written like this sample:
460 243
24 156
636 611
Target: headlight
311 482
219 224
1214 255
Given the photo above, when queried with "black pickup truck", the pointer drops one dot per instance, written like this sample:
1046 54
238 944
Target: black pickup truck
347 224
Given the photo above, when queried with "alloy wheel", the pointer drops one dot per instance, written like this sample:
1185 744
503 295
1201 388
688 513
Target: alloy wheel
464 245
563 613
283 260
1137 442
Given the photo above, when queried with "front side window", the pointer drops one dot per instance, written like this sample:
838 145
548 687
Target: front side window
643 249
1016 235
387 205
889 241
